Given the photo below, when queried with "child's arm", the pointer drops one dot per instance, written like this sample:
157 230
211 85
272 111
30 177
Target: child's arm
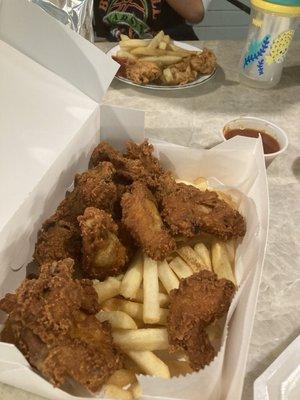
191 10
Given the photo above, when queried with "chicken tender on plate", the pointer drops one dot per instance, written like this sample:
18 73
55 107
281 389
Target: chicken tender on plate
204 63
138 71
51 320
103 253
142 219
200 300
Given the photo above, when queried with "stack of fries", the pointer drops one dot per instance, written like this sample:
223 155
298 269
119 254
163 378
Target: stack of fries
136 305
160 49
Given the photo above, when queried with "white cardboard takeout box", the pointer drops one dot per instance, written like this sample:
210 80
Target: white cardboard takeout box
49 122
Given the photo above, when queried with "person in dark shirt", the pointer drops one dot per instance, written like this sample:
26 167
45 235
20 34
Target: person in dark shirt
143 18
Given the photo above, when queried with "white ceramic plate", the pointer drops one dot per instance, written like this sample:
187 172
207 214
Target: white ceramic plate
202 78
281 381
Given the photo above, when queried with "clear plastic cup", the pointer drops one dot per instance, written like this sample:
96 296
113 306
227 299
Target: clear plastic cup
261 125
271 31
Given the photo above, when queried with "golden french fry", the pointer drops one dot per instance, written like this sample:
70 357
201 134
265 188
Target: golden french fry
107 289
162 45
228 199
167 276
231 246
203 253
135 310
181 269
150 286
166 39
168 76
124 37
163 298
117 319
150 363
154 43
125 54
201 183
122 377
133 43
136 390
146 51
191 258
142 339
220 261
187 52
163 60
114 392
133 277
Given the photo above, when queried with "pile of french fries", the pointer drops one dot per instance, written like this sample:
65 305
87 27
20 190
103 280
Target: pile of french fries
160 50
136 305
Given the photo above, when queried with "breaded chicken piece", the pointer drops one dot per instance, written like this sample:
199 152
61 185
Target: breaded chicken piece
200 300
179 74
51 320
204 63
103 253
56 241
142 219
188 211
138 71
93 188
127 170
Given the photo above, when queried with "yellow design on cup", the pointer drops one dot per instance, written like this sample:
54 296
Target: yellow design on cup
280 47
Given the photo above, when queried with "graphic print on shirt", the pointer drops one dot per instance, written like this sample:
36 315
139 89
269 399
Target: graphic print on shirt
130 17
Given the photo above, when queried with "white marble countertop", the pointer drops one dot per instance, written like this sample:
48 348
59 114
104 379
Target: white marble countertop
195 116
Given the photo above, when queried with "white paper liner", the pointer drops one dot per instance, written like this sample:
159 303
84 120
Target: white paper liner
187 164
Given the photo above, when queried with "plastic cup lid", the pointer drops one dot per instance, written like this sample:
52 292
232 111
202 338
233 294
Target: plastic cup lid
293 3
290 7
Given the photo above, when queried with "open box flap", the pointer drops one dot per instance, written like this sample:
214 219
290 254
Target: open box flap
39 168
35 33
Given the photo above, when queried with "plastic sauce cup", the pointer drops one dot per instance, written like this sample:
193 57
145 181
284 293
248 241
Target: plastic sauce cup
263 125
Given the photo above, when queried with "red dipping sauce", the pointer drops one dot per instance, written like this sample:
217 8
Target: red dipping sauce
270 144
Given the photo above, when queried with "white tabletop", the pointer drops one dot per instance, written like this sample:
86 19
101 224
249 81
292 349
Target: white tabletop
195 116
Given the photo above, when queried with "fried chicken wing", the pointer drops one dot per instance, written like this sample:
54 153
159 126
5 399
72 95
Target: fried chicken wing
103 253
188 211
51 320
179 74
93 188
138 71
204 63
200 300
127 170
56 241
142 219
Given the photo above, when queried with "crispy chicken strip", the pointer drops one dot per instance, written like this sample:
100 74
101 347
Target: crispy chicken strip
103 253
127 170
93 188
142 219
188 211
56 241
138 71
204 63
200 300
51 320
